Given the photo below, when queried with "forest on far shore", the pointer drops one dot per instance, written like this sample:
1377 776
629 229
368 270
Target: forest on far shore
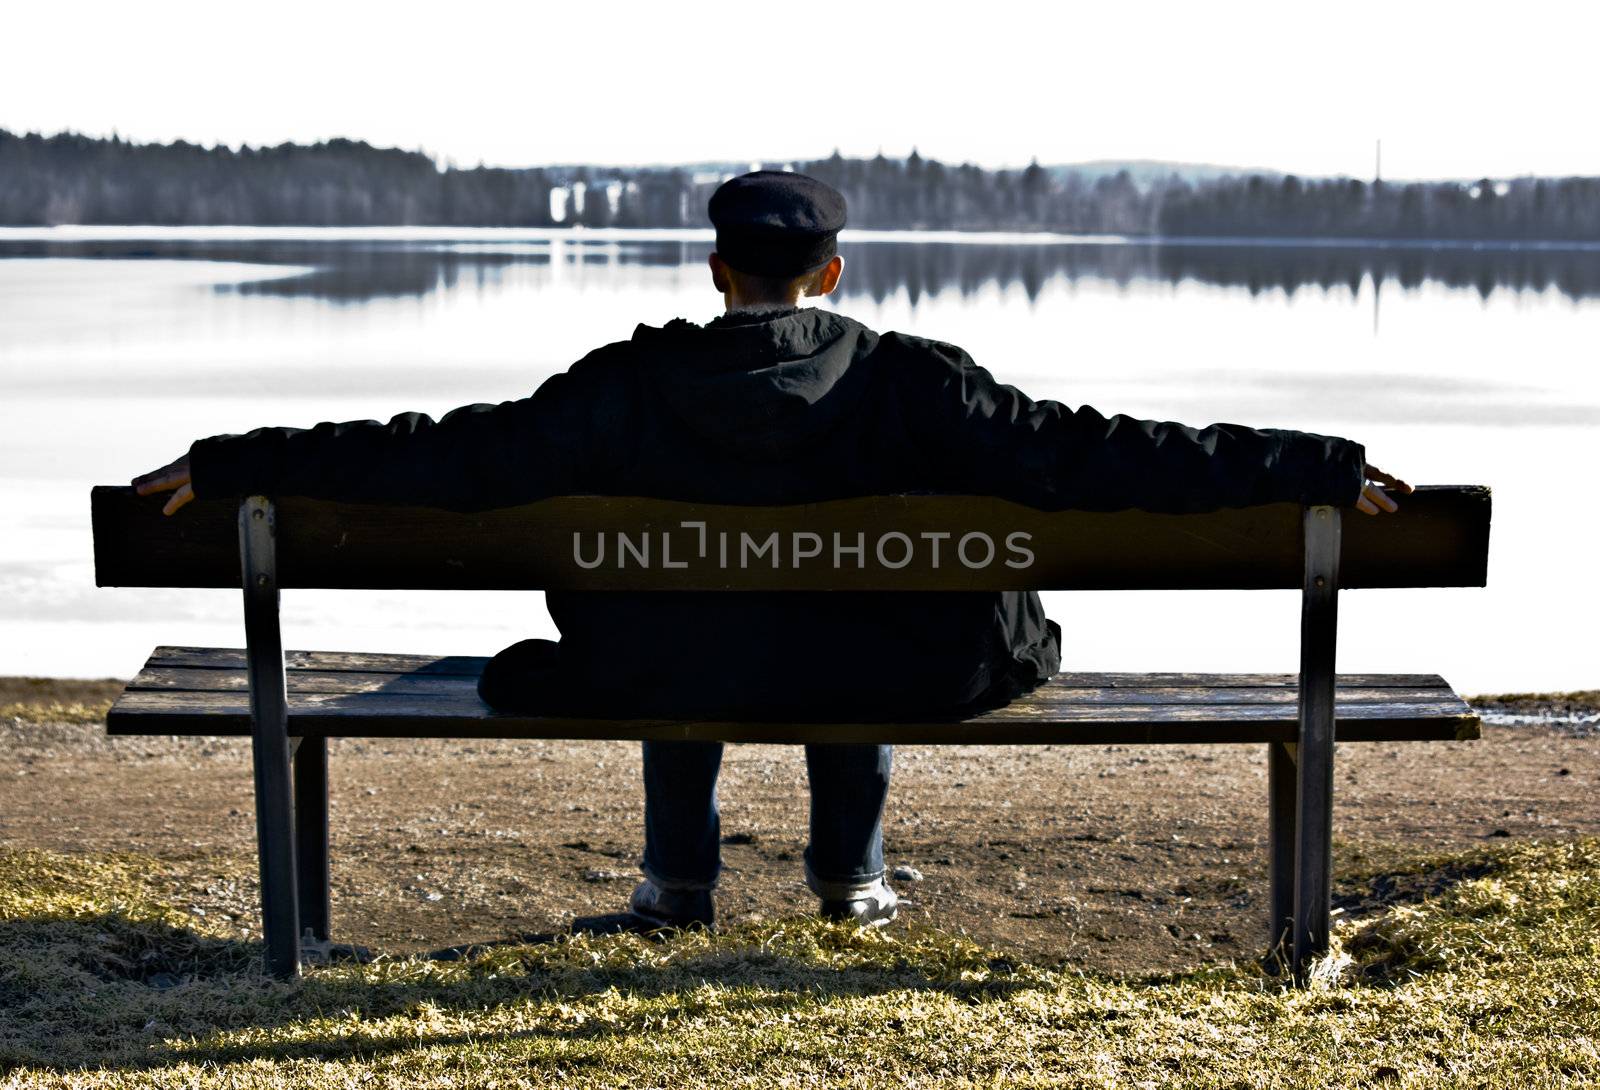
70 178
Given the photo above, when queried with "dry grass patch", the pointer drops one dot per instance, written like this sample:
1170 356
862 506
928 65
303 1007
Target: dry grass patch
1474 971
1581 702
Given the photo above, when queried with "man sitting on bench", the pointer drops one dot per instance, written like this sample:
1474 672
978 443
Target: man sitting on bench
772 403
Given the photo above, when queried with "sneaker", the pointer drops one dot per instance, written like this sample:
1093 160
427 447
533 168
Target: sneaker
652 910
666 908
873 906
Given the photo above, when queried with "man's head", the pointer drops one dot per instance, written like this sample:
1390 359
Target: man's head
776 236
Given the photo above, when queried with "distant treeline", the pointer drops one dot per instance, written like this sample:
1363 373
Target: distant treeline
69 178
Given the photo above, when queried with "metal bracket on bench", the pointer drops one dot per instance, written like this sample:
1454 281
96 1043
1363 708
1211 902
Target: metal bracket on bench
269 728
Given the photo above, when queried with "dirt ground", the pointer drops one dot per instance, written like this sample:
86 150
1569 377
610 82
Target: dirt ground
1133 859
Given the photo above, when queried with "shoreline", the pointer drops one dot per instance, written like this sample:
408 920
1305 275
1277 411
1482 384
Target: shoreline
238 232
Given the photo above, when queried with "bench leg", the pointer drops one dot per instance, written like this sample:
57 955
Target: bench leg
280 923
1283 792
1313 857
311 835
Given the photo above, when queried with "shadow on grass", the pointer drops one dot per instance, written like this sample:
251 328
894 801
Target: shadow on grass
1363 896
1367 894
138 989
109 992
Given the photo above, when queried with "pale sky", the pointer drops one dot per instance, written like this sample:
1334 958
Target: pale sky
1457 89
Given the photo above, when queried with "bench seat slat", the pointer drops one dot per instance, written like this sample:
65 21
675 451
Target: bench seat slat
169 678
360 705
435 697
189 679
232 658
1222 681
1231 694
1016 731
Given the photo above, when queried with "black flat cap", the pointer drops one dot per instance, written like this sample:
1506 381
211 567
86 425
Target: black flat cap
776 223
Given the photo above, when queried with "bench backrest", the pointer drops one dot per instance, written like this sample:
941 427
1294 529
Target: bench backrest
1439 538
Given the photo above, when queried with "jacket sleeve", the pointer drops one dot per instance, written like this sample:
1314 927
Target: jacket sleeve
994 440
473 458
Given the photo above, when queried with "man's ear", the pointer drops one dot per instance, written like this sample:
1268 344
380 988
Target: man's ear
830 276
719 273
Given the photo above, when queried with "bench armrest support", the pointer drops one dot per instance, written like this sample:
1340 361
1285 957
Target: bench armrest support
270 748
1319 619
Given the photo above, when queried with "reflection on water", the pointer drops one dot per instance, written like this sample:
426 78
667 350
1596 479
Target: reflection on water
116 351
355 271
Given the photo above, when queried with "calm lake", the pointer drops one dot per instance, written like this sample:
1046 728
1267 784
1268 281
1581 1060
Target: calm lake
1452 364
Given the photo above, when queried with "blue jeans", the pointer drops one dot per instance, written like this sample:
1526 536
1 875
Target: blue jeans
683 826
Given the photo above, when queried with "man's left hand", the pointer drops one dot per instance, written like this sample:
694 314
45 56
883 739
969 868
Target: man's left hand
174 478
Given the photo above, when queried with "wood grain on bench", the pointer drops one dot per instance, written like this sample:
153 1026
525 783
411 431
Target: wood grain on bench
186 690
1439 539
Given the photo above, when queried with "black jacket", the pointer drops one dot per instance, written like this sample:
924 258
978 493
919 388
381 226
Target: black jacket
778 408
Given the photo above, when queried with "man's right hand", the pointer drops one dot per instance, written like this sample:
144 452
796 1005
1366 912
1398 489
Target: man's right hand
174 478
1373 498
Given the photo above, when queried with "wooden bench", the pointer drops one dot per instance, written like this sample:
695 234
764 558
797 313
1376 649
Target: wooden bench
290 704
